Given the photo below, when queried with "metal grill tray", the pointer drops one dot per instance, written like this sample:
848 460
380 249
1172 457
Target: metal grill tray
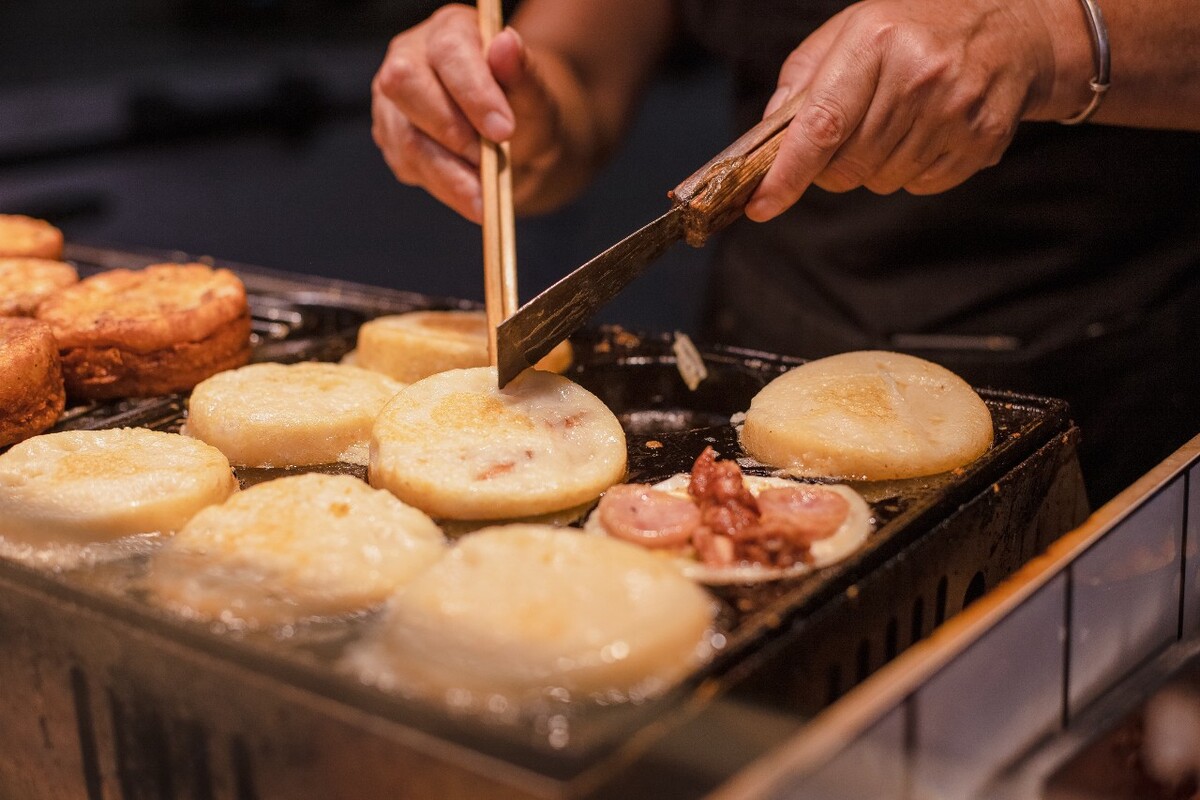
135 728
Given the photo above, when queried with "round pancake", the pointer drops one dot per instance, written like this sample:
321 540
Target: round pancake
418 344
850 535
277 415
459 448
26 236
146 332
521 610
868 415
26 282
31 384
294 548
93 486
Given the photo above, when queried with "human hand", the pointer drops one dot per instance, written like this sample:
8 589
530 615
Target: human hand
437 91
918 96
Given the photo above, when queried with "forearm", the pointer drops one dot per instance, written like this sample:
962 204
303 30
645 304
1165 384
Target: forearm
594 58
1155 63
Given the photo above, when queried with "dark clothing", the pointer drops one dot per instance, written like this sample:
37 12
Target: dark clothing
1070 269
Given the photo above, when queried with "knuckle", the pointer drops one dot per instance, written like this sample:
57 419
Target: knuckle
824 123
848 172
930 68
993 128
459 138
880 30
396 74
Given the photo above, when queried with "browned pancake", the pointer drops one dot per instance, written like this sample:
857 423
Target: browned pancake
26 236
162 329
31 383
26 282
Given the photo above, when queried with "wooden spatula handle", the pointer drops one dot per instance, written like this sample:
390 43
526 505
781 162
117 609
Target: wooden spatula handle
716 194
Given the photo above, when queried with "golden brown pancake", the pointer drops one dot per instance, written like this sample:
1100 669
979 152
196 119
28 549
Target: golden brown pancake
26 236
31 383
163 329
26 282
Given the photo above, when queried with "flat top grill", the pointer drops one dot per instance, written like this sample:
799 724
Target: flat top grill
667 426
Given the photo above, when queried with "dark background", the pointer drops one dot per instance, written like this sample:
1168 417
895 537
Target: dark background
240 129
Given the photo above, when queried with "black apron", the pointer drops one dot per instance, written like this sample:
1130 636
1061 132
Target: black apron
1070 269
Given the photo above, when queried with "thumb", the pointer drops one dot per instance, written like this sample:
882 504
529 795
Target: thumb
510 62
507 58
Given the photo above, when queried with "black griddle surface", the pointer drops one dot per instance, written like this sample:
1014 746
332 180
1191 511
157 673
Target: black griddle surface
667 426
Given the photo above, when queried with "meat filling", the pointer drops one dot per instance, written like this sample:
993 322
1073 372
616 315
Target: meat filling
725 524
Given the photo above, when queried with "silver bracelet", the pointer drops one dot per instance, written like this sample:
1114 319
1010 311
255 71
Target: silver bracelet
1100 52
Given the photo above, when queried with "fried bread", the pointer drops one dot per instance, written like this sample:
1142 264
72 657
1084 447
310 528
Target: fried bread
26 282
162 329
26 236
31 383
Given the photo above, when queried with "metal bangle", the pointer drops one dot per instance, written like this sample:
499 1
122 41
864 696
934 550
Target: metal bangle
1101 56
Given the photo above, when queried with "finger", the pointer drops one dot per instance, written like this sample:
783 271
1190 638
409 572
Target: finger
838 98
863 156
417 160
406 80
915 153
896 141
991 123
518 75
448 178
797 71
457 58
946 172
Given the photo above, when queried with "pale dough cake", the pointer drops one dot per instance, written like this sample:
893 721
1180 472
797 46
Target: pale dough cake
458 447
289 414
294 548
869 415
81 487
412 346
519 610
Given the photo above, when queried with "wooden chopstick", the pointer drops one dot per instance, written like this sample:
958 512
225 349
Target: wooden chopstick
499 236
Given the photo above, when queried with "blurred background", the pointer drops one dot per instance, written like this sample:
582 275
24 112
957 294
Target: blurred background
240 129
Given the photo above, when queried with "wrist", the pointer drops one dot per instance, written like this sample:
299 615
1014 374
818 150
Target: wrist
1073 61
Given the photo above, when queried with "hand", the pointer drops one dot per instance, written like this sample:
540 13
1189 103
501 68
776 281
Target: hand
437 91
915 96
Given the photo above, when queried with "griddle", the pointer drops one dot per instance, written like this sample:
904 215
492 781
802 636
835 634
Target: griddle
118 699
